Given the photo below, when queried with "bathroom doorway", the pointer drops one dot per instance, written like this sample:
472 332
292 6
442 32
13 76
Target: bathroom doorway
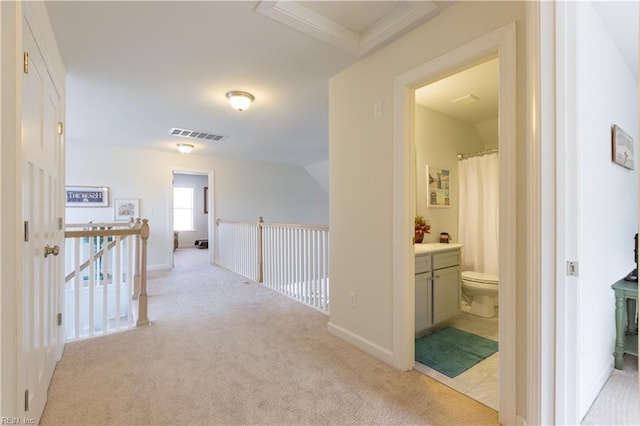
500 44
456 136
191 217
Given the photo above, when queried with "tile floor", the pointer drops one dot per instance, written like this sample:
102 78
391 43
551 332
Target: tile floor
480 382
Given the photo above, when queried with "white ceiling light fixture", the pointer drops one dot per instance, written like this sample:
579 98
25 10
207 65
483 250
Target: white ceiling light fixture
466 99
185 148
240 100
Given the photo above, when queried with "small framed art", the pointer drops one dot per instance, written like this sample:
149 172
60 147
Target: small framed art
124 209
439 187
622 149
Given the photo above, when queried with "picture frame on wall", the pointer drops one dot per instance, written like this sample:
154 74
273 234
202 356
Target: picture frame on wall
86 196
126 208
622 149
206 199
438 187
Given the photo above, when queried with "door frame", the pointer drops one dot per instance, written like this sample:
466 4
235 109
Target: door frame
501 43
211 209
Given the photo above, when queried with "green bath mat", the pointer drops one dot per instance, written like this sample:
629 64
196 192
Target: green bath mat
452 351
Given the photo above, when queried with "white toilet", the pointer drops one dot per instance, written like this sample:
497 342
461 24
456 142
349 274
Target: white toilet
480 291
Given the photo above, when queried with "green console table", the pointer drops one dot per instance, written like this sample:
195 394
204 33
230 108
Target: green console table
626 337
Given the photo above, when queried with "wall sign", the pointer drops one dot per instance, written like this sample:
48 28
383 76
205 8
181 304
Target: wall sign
86 196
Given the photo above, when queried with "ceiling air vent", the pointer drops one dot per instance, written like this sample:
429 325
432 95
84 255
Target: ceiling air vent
185 133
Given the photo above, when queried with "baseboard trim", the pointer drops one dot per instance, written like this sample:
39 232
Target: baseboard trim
588 398
158 267
361 343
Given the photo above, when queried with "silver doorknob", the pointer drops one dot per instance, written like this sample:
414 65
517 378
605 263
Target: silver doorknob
51 250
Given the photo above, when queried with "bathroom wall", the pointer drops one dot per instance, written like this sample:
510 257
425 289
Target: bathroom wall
488 131
439 138
607 93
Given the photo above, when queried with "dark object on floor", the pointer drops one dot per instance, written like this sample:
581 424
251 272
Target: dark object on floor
202 244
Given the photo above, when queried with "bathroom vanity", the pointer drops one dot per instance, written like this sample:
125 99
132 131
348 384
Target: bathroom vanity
437 280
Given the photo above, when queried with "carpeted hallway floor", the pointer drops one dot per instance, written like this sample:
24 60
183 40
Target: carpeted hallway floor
224 350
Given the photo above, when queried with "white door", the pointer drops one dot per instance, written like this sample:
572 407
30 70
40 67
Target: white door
40 337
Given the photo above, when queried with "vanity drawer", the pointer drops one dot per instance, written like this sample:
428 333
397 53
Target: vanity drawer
445 260
423 263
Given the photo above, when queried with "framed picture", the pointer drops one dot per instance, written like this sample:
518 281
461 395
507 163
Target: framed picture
86 196
124 209
439 187
621 148
206 199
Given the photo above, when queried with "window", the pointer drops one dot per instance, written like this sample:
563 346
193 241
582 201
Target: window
183 209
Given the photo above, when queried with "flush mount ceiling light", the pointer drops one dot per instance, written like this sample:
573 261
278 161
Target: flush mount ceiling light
185 148
240 100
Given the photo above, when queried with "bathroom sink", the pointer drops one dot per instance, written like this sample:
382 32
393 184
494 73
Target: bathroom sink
435 247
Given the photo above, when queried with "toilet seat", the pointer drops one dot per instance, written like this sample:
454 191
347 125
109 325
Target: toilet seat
479 277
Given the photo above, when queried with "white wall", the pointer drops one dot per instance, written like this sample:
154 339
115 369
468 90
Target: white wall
361 174
439 138
198 183
243 190
608 195
320 172
489 133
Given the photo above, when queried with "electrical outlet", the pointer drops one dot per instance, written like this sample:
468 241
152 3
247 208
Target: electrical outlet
352 299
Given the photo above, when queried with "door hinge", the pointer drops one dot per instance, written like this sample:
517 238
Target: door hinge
60 128
572 268
59 319
26 230
60 224
26 63
26 400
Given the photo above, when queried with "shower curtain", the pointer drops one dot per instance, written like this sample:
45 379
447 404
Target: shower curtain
478 214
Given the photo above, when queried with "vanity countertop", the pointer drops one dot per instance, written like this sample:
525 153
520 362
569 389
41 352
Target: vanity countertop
435 247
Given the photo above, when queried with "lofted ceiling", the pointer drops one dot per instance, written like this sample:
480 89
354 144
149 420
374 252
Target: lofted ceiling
135 70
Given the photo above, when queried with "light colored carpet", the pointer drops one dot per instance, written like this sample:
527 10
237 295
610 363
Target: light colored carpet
224 350
618 402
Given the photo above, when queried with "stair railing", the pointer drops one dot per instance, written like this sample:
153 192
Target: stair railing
105 271
290 258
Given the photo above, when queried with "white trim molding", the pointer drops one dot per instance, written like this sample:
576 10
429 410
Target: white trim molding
361 343
402 18
500 43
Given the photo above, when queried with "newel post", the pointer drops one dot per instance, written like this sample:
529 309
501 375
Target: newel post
143 319
260 267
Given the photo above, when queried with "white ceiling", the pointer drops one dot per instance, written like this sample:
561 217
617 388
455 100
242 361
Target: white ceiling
137 69
481 82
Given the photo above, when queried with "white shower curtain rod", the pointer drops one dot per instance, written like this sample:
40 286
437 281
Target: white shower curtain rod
476 154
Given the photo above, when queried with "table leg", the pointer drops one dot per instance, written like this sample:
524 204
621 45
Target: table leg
631 316
619 351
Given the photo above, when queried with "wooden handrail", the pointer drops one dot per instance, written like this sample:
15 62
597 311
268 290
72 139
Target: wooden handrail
275 225
86 264
295 226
